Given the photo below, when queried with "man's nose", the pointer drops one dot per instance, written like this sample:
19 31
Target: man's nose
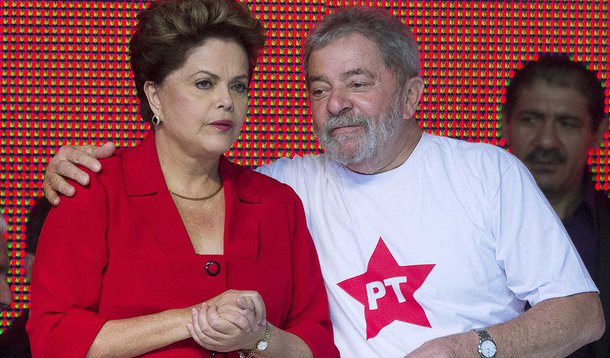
547 135
338 102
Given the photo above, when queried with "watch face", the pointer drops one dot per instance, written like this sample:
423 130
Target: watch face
262 345
487 348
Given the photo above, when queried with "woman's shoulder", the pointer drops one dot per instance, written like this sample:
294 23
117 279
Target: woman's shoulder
104 179
110 168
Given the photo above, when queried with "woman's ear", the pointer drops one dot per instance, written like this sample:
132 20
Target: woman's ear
152 94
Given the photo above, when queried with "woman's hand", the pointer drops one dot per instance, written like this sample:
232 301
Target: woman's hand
216 333
230 321
250 300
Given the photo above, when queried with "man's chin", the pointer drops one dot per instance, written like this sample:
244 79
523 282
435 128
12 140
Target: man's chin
547 183
346 154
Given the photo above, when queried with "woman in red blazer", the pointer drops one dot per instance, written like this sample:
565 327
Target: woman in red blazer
171 250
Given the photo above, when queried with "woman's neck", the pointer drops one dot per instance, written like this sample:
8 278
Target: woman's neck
188 175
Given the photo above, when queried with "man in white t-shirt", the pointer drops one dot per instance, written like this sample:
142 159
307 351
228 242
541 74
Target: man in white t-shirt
429 246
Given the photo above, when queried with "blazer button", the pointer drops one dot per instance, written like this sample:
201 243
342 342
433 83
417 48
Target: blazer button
212 268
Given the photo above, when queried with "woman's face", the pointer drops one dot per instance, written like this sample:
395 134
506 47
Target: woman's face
203 104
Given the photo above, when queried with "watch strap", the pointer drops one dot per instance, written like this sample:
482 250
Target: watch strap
263 343
484 337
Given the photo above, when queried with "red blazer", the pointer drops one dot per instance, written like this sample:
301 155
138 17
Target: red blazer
119 249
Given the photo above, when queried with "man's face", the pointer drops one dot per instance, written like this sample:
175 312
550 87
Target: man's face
6 297
355 100
550 130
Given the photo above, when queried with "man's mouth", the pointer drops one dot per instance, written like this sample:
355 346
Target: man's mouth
344 130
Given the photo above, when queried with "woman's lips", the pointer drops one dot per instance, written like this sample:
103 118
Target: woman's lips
222 125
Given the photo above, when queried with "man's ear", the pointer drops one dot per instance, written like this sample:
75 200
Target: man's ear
152 94
413 89
504 132
598 137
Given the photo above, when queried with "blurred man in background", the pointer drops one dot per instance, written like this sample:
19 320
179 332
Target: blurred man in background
6 297
14 342
553 116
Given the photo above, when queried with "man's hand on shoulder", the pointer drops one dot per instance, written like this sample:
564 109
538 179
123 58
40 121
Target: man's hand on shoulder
453 346
63 165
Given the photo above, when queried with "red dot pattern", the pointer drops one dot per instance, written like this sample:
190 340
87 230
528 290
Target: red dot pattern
65 80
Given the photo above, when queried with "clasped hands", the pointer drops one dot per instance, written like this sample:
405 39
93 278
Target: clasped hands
230 321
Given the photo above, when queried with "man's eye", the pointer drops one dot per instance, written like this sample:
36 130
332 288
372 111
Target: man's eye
528 120
570 123
204 84
317 92
359 85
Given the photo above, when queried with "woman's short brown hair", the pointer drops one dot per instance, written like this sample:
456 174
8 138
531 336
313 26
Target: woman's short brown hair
169 29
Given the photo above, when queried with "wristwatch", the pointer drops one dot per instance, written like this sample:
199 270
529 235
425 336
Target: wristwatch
263 343
487 346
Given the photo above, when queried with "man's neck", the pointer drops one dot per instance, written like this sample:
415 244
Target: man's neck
566 203
404 142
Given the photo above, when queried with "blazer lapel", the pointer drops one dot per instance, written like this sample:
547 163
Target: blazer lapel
242 223
151 199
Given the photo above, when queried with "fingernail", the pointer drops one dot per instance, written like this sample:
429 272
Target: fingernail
96 167
70 191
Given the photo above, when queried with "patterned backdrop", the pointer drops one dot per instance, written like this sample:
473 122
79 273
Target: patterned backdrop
65 80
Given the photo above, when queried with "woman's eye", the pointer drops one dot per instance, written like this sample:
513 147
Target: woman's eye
204 84
240 87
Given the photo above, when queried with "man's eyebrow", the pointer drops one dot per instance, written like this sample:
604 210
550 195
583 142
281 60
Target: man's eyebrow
355 72
344 76
531 112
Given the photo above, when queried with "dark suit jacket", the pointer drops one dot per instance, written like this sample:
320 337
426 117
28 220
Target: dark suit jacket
602 213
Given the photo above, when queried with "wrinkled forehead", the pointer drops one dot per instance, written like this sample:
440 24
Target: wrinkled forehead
345 53
552 81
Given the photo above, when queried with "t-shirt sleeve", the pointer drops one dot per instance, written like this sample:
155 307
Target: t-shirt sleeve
533 247
67 275
279 170
308 317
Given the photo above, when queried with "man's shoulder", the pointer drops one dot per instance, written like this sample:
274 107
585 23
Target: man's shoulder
264 185
602 202
461 151
292 167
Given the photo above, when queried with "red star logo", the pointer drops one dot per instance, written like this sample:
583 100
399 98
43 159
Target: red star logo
386 291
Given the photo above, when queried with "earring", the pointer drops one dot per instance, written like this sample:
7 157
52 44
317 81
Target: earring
155 120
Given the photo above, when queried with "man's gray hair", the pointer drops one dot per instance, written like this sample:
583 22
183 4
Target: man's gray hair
394 40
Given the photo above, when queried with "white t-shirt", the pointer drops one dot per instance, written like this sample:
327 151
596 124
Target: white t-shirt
458 237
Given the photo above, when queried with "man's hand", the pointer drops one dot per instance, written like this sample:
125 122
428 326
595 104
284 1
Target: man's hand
453 346
63 164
